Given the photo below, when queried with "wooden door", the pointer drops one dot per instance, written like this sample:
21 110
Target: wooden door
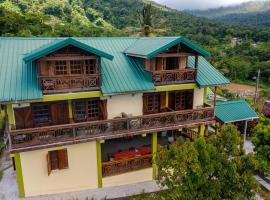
59 112
23 117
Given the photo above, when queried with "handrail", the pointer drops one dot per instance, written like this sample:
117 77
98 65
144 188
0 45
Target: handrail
75 132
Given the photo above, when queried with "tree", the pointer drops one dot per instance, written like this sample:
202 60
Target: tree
146 16
214 168
261 141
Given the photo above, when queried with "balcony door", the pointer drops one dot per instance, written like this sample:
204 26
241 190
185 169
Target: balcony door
181 100
154 103
23 117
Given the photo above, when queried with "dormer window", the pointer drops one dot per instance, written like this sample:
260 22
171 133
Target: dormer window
60 67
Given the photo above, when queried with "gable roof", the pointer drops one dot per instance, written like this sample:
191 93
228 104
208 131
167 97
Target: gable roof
234 111
60 43
19 81
151 47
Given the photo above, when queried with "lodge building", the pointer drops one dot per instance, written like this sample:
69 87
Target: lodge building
86 113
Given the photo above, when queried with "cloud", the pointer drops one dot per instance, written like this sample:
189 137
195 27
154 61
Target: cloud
198 4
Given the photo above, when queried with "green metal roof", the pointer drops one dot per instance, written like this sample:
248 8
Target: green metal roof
207 75
60 43
234 111
150 47
18 79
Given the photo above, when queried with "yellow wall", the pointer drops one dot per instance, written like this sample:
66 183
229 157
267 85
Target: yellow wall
81 174
129 178
129 104
198 97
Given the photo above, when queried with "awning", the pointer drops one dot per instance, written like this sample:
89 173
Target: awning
234 111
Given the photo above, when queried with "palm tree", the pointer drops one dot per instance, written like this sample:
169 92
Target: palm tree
146 16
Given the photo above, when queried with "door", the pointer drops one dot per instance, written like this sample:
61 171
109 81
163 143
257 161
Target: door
23 118
59 112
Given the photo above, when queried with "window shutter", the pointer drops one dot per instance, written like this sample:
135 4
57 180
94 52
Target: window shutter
145 104
59 112
103 109
23 117
49 165
162 101
62 159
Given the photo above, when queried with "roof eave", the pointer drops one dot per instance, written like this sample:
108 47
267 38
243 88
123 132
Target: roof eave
175 42
70 41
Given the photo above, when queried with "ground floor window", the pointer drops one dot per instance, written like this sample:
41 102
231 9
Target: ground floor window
57 159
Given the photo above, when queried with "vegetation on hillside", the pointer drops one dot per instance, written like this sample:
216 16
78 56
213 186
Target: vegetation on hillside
261 141
120 18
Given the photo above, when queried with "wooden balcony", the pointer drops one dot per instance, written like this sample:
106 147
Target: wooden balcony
126 165
69 83
168 77
36 138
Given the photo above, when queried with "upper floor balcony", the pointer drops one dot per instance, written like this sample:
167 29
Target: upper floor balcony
34 138
69 70
171 68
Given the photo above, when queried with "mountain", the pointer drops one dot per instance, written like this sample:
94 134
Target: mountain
253 13
244 8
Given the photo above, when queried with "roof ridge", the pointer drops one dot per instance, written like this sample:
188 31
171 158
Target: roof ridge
231 101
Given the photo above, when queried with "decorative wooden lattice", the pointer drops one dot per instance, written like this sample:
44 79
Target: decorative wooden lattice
166 77
126 165
49 84
109 128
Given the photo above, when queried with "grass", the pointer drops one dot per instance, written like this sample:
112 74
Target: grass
264 193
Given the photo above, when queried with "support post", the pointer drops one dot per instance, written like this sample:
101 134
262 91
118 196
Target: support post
70 113
215 97
19 175
167 99
205 95
201 130
99 162
154 154
10 114
245 130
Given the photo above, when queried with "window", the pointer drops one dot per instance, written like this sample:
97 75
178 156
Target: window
60 67
75 67
87 110
80 110
57 159
172 63
90 66
93 109
41 114
153 103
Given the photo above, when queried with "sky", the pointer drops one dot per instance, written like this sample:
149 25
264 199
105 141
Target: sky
198 4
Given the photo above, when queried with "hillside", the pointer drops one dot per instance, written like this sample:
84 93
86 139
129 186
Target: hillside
257 20
84 18
244 8
254 14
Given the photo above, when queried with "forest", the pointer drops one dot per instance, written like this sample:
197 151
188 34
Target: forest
238 61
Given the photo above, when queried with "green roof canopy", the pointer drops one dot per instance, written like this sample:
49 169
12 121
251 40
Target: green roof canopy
207 74
234 111
60 43
123 74
151 47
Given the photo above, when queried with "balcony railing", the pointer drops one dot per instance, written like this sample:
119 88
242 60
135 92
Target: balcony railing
167 77
65 83
106 129
126 165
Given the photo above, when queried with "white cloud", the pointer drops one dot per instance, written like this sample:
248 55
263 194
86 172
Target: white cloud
198 4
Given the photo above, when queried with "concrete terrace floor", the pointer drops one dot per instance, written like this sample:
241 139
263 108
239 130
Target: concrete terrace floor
9 191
